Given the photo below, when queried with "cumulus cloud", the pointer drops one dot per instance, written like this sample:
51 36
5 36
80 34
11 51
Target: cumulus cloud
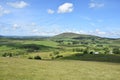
33 24
50 11
18 4
94 4
3 11
65 8
16 26
35 31
98 32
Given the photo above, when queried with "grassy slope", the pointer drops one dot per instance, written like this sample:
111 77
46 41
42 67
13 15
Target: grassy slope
24 69
66 35
88 38
13 45
44 42
69 35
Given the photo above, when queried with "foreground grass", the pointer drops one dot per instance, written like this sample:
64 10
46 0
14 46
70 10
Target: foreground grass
25 69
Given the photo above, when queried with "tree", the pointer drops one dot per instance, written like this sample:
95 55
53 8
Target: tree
75 42
86 51
60 41
116 50
37 57
107 50
55 54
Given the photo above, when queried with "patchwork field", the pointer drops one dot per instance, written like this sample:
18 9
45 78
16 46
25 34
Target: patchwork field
67 56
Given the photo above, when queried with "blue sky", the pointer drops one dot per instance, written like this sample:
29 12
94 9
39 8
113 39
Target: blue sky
51 17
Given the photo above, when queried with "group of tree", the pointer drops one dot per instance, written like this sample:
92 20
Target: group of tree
105 50
55 54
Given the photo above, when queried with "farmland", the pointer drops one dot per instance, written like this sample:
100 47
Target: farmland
67 56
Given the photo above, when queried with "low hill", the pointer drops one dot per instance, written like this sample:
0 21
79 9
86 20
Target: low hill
1 36
74 36
66 35
84 38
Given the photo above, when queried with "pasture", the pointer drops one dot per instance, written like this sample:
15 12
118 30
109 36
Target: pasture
25 69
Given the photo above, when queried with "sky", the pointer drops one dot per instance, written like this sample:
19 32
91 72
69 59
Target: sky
52 17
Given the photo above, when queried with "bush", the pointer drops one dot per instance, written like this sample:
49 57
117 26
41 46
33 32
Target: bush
86 51
30 57
116 50
77 50
7 54
91 52
59 56
37 57
106 50
78 54
56 52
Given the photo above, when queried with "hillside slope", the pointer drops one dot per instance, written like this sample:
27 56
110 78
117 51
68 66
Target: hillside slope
69 35
66 35
84 38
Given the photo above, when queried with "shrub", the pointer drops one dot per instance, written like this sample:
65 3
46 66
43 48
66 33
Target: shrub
91 52
4 54
37 57
59 56
106 50
86 51
30 57
77 50
7 54
56 52
78 54
116 50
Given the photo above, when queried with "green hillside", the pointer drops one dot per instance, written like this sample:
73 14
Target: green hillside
66 35
69 35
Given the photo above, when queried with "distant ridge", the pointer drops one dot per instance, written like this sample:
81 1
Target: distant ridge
1 36
66 35
70 35
76 36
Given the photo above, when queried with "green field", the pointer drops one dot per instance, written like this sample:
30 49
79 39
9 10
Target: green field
63 57
25 69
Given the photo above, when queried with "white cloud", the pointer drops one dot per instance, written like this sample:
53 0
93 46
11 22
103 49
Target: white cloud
35 31
16 26
65 8
18 4
50 11
3 11
96 5
98 32
33 24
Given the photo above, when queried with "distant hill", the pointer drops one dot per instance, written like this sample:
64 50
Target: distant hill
1 36
84 38
24 37
66 35
74 36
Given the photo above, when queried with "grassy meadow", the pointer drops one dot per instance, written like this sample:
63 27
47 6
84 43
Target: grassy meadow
25 69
